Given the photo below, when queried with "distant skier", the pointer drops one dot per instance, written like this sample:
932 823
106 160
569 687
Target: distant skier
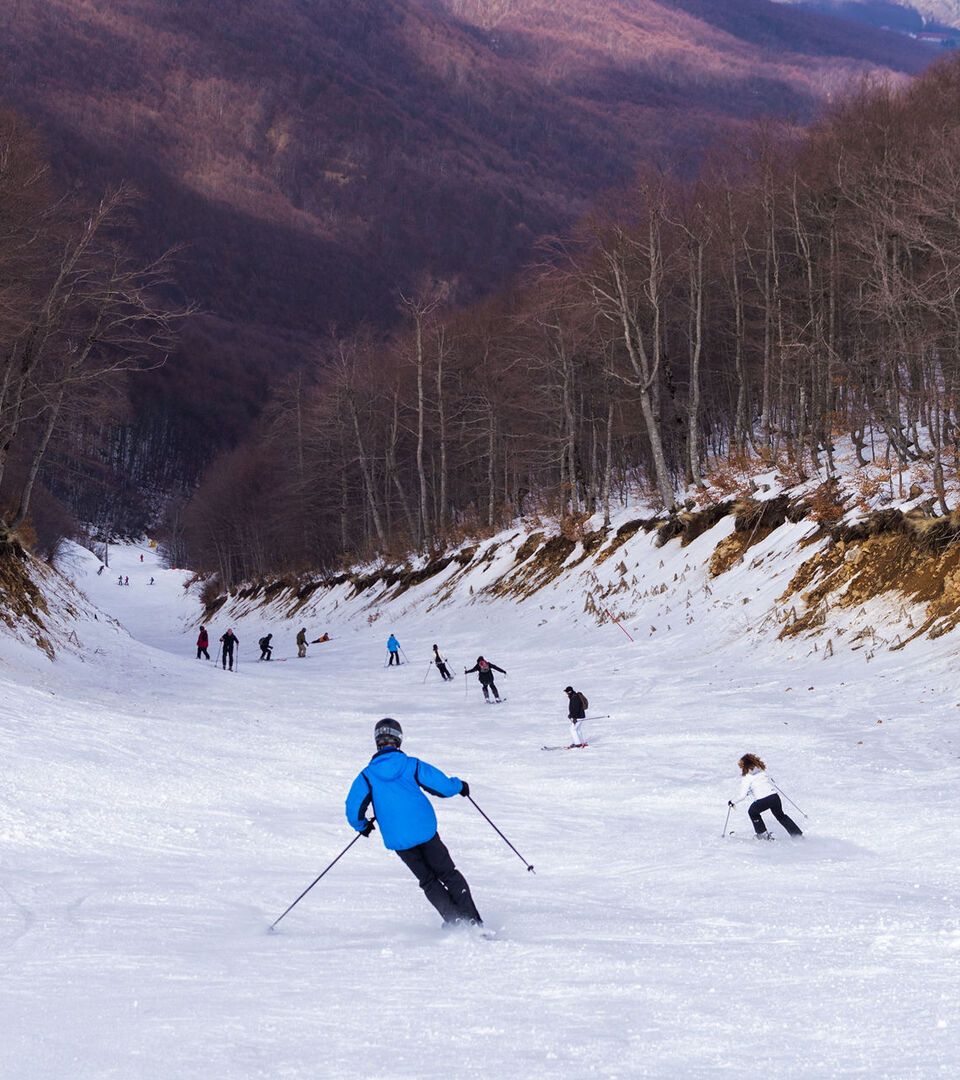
441 664
229 641
141 558
321 639
120 580
302 642
126 581
393 648
151 581
485 669
203 641
576 714
266 649
100 571
391 784
757 787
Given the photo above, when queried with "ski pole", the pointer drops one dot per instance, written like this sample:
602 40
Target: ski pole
317 878
606 716
406 659
466 691
727 822
617 621
789 800
429 665
217 661
503 838
236 664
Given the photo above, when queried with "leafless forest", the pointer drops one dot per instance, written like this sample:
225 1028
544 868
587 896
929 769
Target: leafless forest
78 314
801 289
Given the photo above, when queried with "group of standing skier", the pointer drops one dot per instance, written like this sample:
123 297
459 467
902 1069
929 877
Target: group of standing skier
229 643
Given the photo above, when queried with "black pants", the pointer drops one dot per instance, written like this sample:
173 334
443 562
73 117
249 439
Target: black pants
444 670
488 685
228 657
394 658
265 652
202 651
443 884
772 803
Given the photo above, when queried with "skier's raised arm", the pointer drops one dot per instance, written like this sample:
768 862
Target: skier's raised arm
435 782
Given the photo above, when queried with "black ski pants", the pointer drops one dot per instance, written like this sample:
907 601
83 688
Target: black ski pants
773 804
202 651
394 659
444 670
228 658
487 684
443 884
266 652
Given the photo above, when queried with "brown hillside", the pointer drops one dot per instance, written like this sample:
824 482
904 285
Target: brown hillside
314 155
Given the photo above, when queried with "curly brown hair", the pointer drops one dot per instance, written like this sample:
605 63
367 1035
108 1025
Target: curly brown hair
748 762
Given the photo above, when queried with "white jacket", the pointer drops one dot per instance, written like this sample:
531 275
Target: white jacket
756 785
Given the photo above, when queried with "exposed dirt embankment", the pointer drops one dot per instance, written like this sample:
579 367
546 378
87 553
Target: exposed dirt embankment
802 562
23 607
909 555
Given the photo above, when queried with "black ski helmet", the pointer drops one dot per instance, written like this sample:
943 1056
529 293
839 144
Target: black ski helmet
388 732
568 689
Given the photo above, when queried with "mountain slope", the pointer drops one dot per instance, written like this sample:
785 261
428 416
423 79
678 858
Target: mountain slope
160 813
314 156
905 17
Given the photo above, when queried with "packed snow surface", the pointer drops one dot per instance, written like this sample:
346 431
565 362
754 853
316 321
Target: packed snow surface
158 813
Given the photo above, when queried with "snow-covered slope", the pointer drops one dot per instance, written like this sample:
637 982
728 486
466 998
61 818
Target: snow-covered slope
157 813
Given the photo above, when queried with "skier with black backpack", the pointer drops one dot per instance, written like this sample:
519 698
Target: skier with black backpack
485 670
577 713
266 649
393 786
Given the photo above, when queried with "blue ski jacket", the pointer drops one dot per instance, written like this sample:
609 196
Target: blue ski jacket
392 784
392 644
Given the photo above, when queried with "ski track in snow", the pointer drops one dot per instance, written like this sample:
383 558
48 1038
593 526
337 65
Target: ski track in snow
158 813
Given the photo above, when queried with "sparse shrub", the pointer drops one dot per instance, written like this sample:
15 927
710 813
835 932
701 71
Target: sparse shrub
572 526
825 504
211 592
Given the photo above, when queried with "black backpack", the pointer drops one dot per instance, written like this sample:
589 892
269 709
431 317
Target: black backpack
583 699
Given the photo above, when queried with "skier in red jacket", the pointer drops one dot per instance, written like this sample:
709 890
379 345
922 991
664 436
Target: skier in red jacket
202 642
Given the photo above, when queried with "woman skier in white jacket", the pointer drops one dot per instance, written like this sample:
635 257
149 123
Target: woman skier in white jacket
757 787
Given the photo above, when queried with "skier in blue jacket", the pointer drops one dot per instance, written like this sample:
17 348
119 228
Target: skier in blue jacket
393 785
393 648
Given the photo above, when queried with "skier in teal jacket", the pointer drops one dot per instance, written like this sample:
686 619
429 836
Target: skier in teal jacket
393 786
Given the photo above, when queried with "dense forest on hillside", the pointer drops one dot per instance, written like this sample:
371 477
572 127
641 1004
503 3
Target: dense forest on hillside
312 159
802 288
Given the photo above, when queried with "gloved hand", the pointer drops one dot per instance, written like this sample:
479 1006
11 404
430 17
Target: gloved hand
465 790
730 804
368 829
